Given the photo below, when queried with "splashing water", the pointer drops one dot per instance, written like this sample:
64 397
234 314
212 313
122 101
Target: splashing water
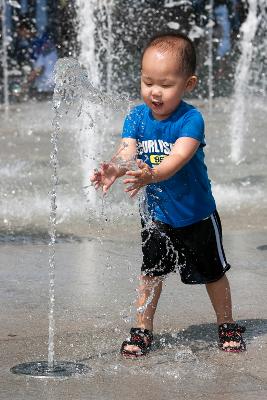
210 55
73 93
73 88
4 59
149 299
238 124
86 31
52 233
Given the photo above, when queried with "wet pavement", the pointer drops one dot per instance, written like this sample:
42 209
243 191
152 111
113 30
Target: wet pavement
97 264
95 292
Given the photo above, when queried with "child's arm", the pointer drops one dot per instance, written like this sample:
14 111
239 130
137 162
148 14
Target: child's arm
121 162
182 152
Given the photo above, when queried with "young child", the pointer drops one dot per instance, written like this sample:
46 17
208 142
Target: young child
181 228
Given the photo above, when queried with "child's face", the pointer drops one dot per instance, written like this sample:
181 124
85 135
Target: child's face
162 85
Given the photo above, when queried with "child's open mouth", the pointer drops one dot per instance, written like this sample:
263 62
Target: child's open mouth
157 104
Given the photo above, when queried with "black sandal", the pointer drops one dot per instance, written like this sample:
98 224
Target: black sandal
137 339
231 332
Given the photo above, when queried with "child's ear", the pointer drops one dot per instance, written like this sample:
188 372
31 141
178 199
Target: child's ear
191 83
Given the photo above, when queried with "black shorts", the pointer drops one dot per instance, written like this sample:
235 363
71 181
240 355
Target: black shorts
196 250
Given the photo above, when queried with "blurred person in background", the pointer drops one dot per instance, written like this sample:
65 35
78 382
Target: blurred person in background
41 79
228 17
35 58
238 15
222 19
25 42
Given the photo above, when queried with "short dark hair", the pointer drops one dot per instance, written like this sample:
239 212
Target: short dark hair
179 44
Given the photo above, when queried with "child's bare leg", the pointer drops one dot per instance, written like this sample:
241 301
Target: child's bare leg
148 295
149 291
220 296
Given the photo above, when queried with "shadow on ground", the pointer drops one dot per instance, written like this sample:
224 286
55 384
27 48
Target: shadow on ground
202 337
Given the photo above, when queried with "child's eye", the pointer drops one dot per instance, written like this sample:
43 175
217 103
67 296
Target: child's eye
166 86
148 84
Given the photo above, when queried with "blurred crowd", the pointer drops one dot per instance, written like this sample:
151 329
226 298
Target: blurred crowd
37 33
35 58
40 31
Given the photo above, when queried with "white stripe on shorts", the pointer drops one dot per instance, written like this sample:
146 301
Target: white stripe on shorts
218 240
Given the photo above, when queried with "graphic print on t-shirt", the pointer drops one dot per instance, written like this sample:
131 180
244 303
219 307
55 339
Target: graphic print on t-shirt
150 147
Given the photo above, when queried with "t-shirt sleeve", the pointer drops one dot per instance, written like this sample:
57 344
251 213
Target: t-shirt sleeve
193 126
131 124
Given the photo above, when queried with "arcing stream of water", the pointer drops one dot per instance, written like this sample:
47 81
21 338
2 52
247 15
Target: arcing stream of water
73 93
72 90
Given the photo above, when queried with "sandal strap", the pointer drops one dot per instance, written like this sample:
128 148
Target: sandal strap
141 333
137 338
230 329
232 332
230 338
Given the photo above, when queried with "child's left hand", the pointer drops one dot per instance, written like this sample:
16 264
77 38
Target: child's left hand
144 176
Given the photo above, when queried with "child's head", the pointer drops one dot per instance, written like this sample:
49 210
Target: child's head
167 71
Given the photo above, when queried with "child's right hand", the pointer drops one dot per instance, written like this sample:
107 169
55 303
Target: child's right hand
105 176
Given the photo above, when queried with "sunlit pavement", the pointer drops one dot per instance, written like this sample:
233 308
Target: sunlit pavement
95 292
97 265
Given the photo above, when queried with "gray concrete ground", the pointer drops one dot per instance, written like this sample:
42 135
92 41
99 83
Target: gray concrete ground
95 292
97 269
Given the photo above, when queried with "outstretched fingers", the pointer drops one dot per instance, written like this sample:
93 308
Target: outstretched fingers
134 192
132 187
134 173
104 165
96 178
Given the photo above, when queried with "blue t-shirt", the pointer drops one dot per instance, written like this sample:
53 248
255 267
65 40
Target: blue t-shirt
186 197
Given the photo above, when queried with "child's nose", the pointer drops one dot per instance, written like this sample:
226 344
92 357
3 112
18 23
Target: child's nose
156 91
